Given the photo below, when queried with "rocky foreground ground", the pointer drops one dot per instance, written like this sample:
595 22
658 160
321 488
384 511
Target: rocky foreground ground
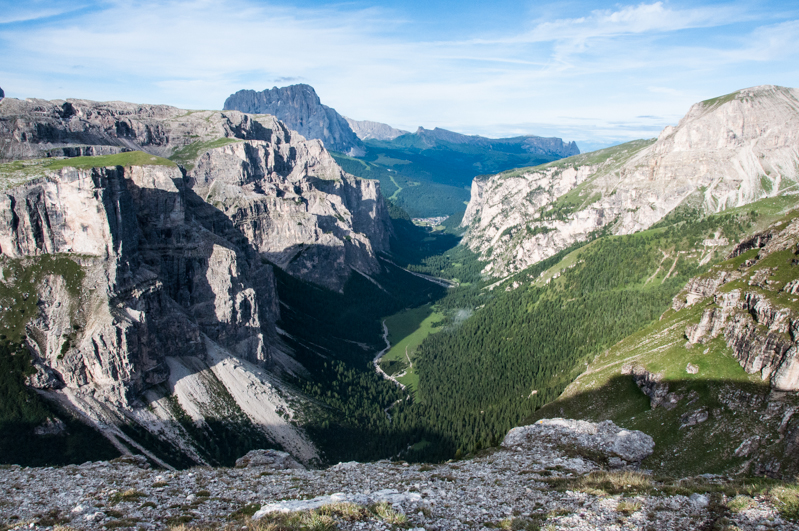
556 474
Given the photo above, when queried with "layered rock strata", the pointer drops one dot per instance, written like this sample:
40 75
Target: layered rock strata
756 321
174 312
724 153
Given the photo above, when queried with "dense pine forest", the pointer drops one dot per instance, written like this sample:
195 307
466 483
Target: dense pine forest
503 352
483 376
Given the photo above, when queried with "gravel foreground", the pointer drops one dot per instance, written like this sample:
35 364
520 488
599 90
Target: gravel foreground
535 484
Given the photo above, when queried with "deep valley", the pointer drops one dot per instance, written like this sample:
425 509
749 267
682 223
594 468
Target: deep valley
181 289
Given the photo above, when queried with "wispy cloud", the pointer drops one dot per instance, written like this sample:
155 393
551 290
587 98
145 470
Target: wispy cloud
629 20
630 64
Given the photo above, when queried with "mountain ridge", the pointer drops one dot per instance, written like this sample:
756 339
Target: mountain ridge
169 331
725 152
369 130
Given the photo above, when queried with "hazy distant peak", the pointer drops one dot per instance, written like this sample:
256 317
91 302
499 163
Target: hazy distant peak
369 130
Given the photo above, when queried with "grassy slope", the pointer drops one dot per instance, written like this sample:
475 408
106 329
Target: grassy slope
540 336
186 155
17 172
603 392
406 331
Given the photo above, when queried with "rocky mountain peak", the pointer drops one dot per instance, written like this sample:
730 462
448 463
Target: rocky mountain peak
725 152
300 108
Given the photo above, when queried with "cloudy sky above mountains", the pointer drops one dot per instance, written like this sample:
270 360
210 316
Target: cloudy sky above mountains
586 71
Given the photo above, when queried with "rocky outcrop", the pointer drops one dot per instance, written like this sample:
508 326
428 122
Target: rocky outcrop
270 459
700 288
762 337
296 208
506 488
652 385
724 153
603 441
2 94
174 311
368 130
299 107
762 334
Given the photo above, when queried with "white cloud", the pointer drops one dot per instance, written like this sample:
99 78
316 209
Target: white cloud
607 66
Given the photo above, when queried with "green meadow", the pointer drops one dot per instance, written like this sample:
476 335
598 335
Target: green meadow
406 331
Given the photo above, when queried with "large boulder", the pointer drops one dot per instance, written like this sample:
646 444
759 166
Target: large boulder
601 442
274 459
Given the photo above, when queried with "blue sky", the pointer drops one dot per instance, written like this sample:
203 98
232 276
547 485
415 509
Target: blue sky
598 73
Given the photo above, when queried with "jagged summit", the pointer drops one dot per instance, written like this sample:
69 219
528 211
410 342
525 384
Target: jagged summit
300 108
726 152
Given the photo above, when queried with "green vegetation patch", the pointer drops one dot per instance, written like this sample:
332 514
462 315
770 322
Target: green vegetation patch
187 155
526 341
388 161
20 280
129 158
720 100
407 330
615 155
20 171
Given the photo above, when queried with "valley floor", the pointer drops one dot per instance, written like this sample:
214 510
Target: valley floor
531 488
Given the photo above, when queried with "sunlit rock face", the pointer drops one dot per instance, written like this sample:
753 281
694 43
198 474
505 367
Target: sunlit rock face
299 107
724 153
175 307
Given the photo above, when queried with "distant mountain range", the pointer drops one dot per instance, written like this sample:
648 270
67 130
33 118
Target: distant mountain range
424 172
437 138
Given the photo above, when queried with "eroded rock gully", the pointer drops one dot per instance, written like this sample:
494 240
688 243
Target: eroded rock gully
178 297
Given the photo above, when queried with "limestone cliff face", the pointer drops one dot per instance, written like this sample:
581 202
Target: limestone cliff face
296 207
284 193
175 310
299 107
160 292
756 321
724 153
